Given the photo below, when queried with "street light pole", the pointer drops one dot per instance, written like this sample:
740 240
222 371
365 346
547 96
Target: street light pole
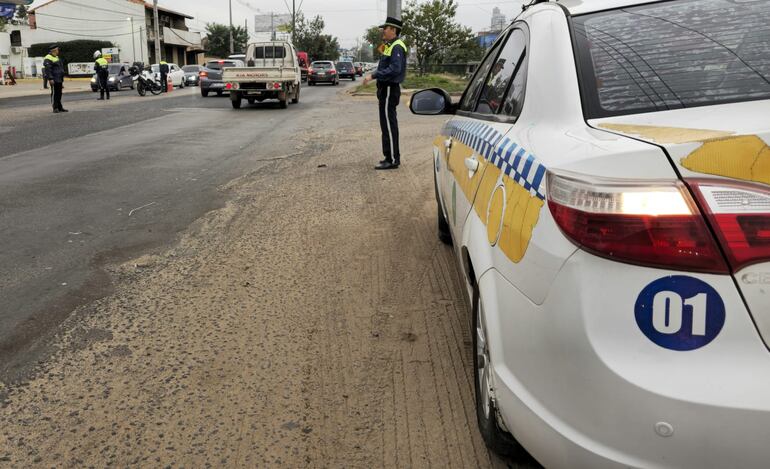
157 30
133 40
232 42
394 9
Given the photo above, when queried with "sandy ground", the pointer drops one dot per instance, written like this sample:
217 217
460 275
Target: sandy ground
315 321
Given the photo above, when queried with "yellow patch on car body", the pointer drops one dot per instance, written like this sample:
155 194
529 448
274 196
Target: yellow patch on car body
745 157
666 134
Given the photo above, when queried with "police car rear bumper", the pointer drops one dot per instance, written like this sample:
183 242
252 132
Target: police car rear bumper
580 385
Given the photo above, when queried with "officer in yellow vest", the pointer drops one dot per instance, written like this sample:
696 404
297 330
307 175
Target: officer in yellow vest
53 72
102 69
163 69
390 73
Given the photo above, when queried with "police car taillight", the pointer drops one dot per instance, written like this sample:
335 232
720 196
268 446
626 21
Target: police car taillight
740 215
654 224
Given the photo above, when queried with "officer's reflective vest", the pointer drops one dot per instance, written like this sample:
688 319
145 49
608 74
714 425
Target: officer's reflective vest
51 58
163 62
102 62
389 49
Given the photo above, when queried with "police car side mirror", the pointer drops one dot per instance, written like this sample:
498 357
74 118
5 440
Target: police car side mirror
431 102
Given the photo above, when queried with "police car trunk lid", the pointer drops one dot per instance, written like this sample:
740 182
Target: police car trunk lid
722 152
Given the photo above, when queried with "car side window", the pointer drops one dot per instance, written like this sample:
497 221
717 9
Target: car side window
492 96
259 52
471 95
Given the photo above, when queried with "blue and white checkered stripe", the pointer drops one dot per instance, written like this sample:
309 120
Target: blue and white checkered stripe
512 159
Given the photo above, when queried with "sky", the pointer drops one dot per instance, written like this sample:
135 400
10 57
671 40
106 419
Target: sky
346 19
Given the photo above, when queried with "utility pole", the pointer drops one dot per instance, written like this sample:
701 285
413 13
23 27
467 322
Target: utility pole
133 39
142 42
394 9
293 18
157 30
232 43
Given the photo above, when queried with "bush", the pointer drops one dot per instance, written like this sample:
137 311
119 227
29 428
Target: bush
81 50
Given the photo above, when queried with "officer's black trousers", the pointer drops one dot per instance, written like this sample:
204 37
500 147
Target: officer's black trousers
164 81
389 96
56 92
104 87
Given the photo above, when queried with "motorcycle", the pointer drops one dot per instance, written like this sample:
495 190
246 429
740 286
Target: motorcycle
145 81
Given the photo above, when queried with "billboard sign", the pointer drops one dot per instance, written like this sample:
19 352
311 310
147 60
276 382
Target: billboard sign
80 69
7 10
270 22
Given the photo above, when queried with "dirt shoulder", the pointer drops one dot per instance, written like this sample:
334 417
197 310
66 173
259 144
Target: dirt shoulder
315 321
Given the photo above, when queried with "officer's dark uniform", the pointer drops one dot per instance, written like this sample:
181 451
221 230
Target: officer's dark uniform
164 75
101 66
390 73
54 71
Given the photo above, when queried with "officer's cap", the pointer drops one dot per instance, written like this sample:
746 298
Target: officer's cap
390 21
53 47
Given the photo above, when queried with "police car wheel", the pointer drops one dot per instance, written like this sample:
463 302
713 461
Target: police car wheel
496 439
443 227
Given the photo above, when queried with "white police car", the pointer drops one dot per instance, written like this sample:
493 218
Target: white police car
605 180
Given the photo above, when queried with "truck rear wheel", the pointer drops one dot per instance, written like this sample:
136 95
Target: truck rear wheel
235 100
284 103
295 99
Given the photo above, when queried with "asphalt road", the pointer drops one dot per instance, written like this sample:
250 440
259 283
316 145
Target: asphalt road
111 179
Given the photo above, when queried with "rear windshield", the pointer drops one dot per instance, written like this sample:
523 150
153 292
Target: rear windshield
219 65
324 65
191 68
673 55
114 69
345 65
269 52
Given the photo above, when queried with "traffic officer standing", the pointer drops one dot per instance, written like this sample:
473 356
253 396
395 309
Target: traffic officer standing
390 73
164 75
54 73
102 69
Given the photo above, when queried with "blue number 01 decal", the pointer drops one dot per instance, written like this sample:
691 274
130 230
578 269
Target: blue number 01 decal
680 313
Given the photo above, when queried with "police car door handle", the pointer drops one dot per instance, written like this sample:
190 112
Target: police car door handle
448 144
472 164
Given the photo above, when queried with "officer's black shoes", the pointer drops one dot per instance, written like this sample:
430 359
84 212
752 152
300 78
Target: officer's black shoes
386 165
56 111
63 110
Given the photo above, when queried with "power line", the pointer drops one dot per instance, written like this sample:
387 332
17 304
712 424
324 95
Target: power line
80 19
102 36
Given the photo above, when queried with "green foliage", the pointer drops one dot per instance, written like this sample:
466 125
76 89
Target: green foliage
21 14
81 50
468 51
219 39
373 37
309 37
450 83
3 23
432 31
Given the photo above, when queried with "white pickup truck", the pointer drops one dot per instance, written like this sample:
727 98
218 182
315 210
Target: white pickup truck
271 72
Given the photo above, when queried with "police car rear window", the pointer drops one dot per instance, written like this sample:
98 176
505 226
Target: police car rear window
673 55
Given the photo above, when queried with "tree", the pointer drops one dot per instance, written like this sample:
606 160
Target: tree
469 51
373 37
309 37
21 15
432 31
219 39
3 22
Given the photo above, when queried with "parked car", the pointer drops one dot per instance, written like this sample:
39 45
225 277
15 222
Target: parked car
272 72
605 182
346 70
211 75
359 68
119 78
175 74
192 74
322 71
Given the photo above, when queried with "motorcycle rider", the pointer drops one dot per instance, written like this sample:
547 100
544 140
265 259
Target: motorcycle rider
101 66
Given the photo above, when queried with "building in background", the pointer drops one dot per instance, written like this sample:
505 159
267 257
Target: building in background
128 24
498 20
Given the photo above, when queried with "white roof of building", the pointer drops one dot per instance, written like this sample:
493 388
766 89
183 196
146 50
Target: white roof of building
579 7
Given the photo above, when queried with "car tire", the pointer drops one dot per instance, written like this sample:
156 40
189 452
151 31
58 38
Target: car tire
496 439
219 93
295 99
444 233
205 93
284 103
236 103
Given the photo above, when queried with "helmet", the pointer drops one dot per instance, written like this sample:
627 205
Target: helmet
97 54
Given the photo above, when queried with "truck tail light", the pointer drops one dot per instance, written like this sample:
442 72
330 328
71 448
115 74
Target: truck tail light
229 86
740 215
654 224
